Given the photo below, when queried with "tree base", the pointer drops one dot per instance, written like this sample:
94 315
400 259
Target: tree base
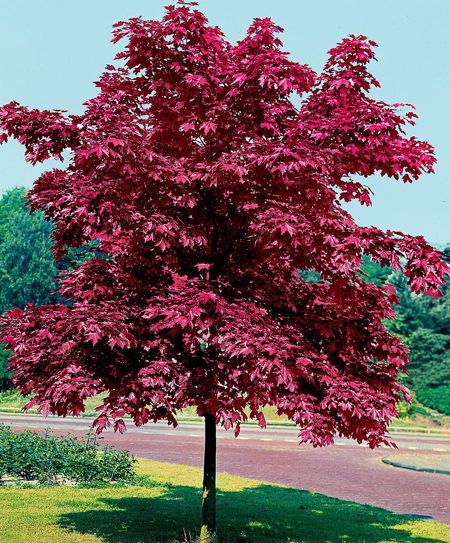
207 536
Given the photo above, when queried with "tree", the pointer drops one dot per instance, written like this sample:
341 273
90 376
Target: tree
12 202
5 375
27 268
209 189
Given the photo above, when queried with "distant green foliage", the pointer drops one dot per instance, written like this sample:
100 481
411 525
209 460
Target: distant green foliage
310 276
375 273
46 458
27 268
424 325
11 202
430 358
437 398
5 375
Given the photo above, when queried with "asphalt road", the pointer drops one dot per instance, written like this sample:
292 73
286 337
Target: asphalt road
345 470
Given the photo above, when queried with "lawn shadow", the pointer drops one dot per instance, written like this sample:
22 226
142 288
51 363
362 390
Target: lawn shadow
261 514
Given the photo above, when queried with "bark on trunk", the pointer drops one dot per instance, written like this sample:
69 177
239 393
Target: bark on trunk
208 531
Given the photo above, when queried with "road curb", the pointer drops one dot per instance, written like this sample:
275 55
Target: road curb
398 464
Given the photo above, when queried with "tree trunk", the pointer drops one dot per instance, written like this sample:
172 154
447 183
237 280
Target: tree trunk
208 531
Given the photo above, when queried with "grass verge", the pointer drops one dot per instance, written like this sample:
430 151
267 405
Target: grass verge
12 402
165 509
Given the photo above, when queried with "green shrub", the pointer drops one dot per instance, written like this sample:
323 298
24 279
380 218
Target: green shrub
5 382
417 409
45 458
436 397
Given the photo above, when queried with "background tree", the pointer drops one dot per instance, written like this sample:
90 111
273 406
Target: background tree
12 202
5 374
209 189
423 324
27 268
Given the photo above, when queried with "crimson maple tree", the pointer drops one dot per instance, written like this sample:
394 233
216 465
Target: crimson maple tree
211 193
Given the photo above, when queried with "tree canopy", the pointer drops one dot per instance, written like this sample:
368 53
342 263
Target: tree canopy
208 189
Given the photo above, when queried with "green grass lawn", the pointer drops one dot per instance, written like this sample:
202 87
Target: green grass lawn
167 509
11 401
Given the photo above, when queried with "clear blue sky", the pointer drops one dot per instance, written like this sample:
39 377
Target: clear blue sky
52 51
